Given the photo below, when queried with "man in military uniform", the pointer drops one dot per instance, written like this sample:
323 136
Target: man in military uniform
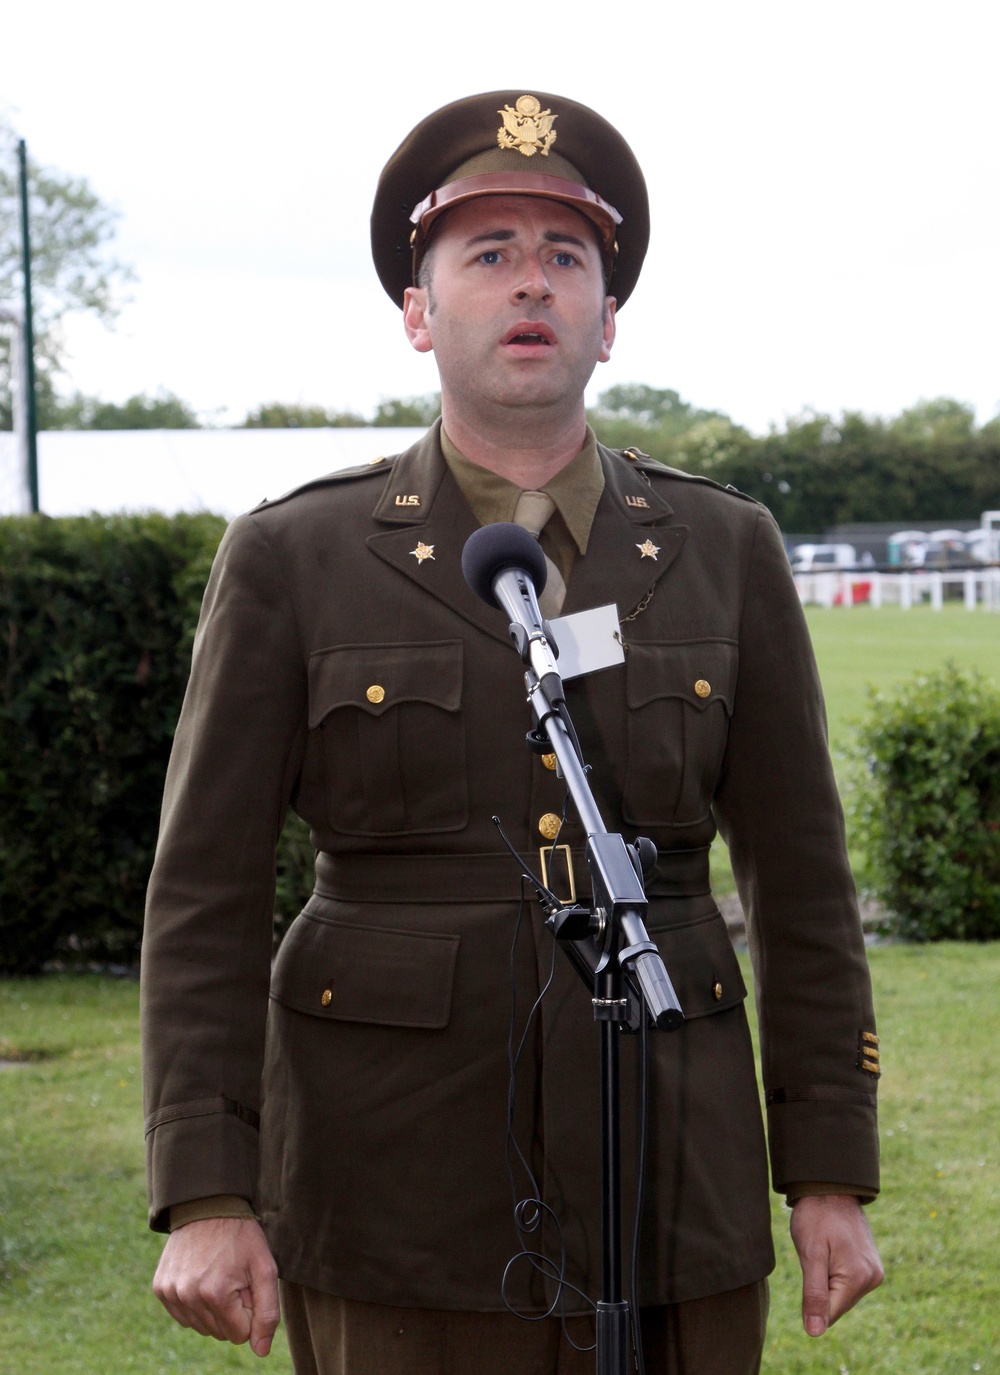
343 666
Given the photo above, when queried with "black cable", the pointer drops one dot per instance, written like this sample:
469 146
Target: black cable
513 1059
554 842
530 1212
574 739
546 897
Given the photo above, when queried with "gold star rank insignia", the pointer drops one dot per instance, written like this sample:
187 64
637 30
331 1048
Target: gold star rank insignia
648 549
422 551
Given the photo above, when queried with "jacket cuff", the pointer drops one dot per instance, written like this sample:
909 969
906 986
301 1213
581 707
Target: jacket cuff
793 1192
827 1140
201 1209
197 1156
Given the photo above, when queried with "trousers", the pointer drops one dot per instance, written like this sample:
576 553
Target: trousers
722 1334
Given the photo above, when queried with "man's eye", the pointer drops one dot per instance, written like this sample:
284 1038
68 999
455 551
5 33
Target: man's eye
565 259
492 255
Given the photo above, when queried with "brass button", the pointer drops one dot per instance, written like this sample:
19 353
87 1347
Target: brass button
702 688
373 461
375 693
549 760
327 997
549 825
717 991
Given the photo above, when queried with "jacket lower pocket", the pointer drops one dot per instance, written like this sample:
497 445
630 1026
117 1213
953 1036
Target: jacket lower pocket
701 962
360 973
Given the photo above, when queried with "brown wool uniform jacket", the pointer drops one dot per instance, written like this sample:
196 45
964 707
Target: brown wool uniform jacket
343 669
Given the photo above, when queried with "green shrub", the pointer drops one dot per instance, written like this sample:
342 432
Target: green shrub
97 616
927 805
294 874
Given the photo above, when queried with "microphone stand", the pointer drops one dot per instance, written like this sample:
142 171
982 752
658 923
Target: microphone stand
610 948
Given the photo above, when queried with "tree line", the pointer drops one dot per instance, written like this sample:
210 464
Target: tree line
165 411
929 462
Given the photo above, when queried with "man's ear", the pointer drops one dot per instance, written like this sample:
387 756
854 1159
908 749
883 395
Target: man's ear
415 312
609 329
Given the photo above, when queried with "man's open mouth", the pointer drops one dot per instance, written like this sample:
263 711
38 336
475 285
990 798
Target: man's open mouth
530 336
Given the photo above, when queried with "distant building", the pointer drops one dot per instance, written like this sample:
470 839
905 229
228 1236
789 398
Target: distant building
226 471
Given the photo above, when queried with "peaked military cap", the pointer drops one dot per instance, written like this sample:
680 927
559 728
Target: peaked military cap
518 144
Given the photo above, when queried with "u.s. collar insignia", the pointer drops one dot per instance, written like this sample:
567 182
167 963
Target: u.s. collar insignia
527 127
423 551
648 549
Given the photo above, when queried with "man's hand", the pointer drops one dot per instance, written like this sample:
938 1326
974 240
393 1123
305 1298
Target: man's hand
839 1259
219 1277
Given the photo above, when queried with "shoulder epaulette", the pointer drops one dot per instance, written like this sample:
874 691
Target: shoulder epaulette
374 466
653 465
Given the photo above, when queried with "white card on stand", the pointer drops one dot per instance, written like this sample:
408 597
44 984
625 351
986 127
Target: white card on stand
588 641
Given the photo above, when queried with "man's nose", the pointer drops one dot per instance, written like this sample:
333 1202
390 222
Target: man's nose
533 284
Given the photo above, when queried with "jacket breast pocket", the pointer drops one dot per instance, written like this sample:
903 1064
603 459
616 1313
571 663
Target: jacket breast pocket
680 696
393 738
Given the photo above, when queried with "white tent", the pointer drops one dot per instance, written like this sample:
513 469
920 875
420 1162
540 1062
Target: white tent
227 471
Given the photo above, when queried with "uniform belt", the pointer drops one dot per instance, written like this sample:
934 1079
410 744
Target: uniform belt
486 878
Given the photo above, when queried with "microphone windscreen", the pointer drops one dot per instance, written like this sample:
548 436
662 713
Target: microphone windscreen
492 549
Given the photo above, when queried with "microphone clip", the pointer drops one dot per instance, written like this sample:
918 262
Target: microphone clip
525 640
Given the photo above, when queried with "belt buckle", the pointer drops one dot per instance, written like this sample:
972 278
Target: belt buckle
543 854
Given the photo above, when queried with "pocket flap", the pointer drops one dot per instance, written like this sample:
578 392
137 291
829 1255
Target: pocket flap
702 964
366 973
699 671
377 677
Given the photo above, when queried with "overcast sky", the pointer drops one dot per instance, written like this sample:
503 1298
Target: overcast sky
824 185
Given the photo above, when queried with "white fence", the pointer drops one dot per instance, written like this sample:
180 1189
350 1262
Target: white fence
979 587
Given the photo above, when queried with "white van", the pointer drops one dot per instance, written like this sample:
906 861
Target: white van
823 558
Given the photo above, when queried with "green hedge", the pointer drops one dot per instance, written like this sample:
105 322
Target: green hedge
927 805
97 617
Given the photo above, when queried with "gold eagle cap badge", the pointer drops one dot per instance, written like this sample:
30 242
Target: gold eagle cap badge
527 127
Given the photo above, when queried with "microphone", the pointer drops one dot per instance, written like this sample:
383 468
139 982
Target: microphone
505 567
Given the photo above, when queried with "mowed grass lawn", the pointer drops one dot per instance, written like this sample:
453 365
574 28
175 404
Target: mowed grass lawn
858 648
76 1259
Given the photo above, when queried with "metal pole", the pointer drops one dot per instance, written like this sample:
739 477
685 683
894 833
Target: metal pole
610 1149
31 418
612 1310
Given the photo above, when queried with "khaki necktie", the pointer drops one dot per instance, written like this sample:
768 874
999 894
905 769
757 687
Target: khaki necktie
532 511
